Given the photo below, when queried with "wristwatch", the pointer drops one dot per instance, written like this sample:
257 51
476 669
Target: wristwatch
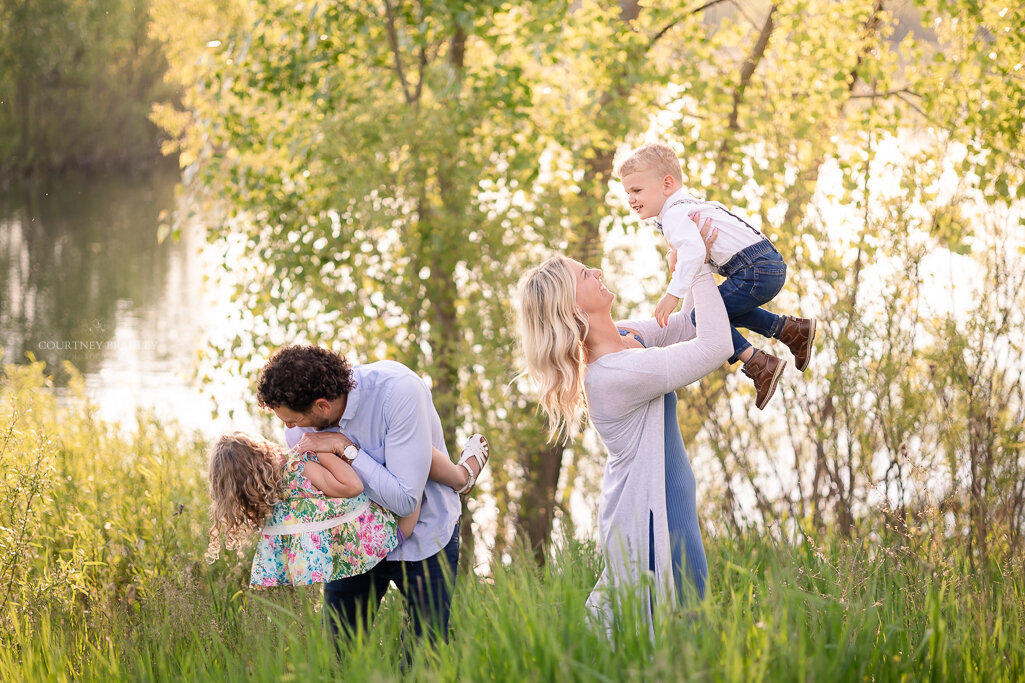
349 453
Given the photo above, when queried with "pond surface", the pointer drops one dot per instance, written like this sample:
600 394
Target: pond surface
84 279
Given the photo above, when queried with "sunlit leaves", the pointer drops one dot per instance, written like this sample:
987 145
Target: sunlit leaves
393 167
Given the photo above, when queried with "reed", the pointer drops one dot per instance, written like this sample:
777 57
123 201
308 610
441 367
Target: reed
103 534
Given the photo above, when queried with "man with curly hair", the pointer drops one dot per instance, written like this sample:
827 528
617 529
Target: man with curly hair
379 418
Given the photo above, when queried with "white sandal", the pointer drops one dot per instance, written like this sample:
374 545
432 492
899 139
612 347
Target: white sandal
476 447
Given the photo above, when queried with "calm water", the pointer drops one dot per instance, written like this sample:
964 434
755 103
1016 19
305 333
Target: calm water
83 279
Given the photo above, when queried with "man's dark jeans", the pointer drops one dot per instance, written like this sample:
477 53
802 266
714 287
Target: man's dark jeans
426 584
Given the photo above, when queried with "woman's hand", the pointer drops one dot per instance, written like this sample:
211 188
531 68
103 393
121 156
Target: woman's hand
708 234
671 261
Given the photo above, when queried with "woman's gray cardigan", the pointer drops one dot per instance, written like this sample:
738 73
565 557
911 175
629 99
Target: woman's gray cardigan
625 393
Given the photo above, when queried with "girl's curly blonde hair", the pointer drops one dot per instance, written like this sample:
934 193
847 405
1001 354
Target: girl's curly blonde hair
245 481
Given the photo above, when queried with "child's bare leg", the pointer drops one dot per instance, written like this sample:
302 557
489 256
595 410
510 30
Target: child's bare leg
746 354
407 523
446 472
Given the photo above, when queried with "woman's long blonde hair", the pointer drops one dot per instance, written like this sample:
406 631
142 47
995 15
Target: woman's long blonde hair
245 482
552 331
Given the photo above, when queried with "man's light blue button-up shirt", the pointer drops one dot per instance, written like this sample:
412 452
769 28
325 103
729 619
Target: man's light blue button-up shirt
391 416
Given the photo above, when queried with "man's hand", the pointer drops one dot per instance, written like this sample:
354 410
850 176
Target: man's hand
333 442
671 261
666 305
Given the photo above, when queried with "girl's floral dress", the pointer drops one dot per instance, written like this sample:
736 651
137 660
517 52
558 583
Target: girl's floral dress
310 538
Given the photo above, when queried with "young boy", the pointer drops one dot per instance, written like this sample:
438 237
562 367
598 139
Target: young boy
753 269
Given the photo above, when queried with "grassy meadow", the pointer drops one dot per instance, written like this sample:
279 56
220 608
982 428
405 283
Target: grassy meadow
102 577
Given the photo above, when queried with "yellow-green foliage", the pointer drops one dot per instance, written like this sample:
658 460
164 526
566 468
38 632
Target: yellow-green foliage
93 518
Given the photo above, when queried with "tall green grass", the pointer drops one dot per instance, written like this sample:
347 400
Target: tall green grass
103 533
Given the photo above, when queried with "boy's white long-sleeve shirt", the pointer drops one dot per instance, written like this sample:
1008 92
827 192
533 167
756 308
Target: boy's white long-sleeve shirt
684 236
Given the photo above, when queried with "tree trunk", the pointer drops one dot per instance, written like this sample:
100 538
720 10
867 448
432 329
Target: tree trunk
26 145
537 504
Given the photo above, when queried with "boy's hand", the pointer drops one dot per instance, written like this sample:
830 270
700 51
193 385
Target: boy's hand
671 260
666 305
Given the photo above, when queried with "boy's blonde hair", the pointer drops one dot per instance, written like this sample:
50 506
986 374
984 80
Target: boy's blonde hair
654 157
245 479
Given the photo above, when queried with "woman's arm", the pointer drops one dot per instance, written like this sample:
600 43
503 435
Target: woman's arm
679 327
691 360
630 378
333 477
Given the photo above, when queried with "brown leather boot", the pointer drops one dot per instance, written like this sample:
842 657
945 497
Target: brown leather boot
798 334
765 369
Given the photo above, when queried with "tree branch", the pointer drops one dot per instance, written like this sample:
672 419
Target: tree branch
421 65
421 73
901 94
393 40
795 209
672 24
888 93
748 70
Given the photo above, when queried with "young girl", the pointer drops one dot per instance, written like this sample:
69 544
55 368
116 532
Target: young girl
317 524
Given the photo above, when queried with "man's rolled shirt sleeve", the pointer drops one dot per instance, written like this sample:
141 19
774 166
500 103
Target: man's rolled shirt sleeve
407 450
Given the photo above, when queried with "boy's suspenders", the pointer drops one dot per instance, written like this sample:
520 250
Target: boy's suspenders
715 205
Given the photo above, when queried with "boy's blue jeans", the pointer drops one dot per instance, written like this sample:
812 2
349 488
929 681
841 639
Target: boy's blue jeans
754 276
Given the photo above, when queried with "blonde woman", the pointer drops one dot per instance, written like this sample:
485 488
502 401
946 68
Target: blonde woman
625 375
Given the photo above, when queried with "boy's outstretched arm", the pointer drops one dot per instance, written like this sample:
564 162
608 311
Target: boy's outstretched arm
666 305
671 299
681 231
